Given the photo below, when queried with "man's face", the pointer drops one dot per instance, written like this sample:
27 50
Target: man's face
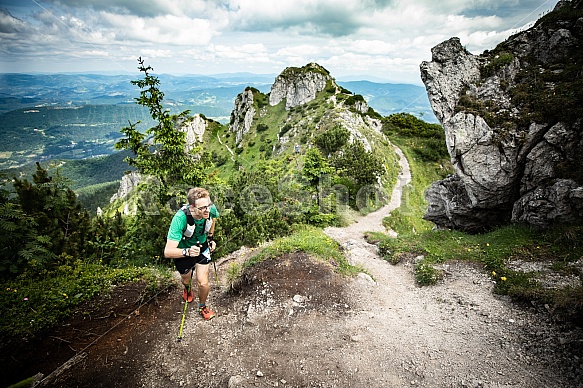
201 208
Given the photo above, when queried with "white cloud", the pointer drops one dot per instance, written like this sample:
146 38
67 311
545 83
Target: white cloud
9 24
376 37
155 53
166 29
94 53
299 51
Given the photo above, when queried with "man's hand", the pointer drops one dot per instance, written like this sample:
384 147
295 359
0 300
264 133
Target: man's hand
192 251
212 245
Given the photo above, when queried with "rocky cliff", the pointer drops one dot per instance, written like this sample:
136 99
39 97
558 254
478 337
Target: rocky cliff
128 182
242 115
512 118
299 86
195 128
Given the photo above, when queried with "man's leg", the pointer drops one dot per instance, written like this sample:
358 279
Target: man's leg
185 278
202 278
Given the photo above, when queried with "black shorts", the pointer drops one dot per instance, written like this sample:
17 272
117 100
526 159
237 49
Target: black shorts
185 264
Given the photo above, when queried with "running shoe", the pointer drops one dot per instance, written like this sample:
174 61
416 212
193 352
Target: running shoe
187 296
206 313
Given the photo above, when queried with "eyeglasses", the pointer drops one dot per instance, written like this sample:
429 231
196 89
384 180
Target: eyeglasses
203 208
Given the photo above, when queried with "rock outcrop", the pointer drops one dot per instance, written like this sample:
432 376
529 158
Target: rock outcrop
512 119
195 128
242 115
299 86
128 182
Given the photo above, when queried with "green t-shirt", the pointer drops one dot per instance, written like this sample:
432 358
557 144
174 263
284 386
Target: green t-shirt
178 225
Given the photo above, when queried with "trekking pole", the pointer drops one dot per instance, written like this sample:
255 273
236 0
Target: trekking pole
184 311
216 273
214 265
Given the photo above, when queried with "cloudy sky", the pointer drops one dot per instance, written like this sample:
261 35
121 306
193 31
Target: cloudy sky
368 39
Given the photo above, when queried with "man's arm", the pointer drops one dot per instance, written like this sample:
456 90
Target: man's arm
171 250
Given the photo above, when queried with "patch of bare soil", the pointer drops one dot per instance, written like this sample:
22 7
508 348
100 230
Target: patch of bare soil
91 329
294 322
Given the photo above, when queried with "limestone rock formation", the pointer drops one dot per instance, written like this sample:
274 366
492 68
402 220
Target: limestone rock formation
242 115
299 86
194 127
128 183
512 119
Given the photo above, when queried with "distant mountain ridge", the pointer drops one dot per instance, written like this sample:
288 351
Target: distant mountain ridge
211 95
35 126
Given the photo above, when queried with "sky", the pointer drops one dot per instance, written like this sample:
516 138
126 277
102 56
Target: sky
376 40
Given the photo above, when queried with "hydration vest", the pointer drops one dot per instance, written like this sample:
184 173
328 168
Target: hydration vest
190 224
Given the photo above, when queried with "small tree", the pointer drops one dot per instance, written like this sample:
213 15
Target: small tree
20 243
358 164
315 165
161 150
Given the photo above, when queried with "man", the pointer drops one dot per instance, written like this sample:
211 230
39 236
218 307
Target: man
189 243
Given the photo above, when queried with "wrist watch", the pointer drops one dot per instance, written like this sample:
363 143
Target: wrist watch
184 252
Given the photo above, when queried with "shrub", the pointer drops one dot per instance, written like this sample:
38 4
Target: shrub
219 159
283 130
332 140
352 100
426 275
499 61
262 127
233 275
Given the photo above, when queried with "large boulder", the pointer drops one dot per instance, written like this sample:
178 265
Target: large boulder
512 122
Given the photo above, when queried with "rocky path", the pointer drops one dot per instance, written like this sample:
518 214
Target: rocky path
455 334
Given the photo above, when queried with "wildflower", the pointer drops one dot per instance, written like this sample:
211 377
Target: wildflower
8 289
65 295
469 250
25 298
503 278
487 244
493 273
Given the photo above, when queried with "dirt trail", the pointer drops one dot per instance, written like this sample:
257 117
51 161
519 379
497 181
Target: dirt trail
294 322
373 221
454 334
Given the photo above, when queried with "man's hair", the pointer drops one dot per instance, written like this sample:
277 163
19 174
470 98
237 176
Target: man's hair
196 193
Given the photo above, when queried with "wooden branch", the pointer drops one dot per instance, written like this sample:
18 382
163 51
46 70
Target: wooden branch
50 379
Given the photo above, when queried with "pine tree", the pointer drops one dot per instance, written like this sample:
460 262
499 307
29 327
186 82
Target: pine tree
56 211
161 150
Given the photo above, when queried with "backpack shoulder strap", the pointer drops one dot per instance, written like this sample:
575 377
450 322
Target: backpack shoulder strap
189 218
190 222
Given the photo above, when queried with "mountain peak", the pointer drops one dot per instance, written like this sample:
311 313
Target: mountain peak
299 85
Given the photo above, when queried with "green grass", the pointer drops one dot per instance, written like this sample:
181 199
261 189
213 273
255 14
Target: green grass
31 306
408 218
312 241
558 248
